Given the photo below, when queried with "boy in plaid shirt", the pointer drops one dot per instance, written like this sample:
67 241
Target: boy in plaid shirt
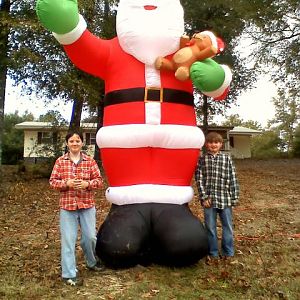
218 192
76 175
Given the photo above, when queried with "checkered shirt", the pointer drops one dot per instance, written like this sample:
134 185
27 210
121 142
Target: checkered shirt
216 179
65 169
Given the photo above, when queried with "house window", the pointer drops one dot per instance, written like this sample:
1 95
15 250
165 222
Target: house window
231 141
46 137
90 138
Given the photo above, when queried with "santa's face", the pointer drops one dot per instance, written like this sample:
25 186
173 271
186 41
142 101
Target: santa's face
149 28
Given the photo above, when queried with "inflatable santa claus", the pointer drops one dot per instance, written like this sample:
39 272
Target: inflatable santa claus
149 141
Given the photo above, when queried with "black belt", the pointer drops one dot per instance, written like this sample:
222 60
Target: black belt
148 95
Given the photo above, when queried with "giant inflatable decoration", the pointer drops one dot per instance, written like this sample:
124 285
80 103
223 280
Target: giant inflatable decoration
149 141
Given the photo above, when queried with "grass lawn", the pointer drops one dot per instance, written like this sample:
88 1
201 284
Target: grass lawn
266 265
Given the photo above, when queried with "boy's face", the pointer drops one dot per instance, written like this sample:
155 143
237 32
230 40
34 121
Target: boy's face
75 143
213 147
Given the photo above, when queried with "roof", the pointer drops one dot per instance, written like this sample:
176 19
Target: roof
238 130
47 126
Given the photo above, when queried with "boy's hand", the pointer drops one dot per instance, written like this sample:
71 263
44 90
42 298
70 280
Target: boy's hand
59 16
80 184
207 203
77 184
71 183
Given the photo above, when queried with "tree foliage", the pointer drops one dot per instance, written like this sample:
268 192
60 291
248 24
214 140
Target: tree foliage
296 142
262 36
226 21
274 29
235 120
54 117
31 56
266 145
38 61
13 139
287 116
4 33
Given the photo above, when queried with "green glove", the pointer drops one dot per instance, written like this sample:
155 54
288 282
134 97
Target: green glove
207 75
59 16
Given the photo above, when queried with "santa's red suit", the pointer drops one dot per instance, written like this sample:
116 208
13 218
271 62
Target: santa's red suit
149 146
149 141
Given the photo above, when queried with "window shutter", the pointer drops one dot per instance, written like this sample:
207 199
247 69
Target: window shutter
39 139
87 138
54 137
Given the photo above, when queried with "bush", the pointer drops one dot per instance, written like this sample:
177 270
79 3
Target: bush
39 170
266 145
296 143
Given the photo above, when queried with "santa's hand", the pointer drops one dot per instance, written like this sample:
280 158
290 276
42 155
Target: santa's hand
59 16
210 78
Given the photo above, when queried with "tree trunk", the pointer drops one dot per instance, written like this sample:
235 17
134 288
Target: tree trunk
4 31
205 115
100 111
76 115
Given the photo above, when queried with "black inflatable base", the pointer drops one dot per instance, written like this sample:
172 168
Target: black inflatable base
165 234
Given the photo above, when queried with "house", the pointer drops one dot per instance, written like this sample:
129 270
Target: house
237 140
39 134
240 141
39 138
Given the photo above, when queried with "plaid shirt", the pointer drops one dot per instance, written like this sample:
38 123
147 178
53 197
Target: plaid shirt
216 179
65 169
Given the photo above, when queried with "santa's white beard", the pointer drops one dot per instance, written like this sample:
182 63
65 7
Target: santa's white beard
149 34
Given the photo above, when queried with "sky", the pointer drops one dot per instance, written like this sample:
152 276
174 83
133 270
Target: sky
255 104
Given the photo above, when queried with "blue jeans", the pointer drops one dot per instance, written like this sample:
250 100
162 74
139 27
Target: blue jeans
69 222
210 215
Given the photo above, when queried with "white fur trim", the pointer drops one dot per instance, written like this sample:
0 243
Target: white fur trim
152 109
152 113
144 135
148 34
212 37
152 76
73 35
149 193
218 92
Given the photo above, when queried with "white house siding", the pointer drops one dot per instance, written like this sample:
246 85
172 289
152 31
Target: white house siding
30 141
241 147
33 150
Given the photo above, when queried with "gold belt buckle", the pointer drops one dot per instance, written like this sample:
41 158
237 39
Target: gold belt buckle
161 94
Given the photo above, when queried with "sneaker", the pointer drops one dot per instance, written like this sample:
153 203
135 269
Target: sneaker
73 281
212 260
229 260
98 267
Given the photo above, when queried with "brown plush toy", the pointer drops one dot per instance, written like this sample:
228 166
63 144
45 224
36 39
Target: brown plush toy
201 46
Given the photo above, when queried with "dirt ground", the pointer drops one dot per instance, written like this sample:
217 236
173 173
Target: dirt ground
29 237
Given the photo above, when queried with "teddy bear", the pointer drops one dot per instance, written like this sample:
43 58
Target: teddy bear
202 45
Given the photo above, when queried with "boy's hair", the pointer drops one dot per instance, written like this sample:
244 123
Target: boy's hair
213 137
71 133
